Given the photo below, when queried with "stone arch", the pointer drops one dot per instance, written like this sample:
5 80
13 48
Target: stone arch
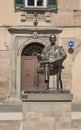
32 49
29 42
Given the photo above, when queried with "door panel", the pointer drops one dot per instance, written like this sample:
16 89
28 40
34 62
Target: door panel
29 78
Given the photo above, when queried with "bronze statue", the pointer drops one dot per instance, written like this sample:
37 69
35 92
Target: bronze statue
51 61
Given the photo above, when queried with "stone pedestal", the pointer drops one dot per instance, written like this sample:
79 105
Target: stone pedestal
47 112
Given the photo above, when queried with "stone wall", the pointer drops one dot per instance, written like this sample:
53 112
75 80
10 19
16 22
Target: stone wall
4 62
10 125
47 115
76 124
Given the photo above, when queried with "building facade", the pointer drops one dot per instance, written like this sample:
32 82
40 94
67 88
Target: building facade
25 27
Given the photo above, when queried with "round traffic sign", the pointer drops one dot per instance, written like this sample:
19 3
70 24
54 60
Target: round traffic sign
70 43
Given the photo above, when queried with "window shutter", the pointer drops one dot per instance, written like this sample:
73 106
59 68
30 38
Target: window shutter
19 3
52 3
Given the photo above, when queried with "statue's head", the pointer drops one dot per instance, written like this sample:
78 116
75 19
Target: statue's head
52 39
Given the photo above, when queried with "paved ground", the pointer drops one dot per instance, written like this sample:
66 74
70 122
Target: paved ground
11 116
18 107
10 107
76 107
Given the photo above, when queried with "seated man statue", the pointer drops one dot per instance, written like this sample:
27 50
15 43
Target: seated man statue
51 60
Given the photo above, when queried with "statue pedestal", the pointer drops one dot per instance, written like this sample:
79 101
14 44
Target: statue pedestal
47 111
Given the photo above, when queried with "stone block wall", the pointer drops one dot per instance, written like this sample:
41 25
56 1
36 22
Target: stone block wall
10 125
76 124
47 115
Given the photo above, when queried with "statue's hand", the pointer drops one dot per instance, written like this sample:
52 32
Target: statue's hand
44 62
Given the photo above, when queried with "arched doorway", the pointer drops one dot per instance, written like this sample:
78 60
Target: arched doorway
29 63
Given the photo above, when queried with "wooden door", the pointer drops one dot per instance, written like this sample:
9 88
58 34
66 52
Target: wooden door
27 75
29 78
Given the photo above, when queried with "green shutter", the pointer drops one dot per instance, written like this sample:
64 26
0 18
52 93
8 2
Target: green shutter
52 3
19 3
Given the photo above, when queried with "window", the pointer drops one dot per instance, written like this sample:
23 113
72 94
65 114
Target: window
30 3
40 2
36 3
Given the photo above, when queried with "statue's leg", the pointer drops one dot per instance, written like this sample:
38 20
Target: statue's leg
37 81
61 85
46 73
57 81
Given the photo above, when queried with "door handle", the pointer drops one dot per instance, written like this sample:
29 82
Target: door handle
27 75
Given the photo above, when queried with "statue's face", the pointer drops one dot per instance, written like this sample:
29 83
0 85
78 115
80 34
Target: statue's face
52 39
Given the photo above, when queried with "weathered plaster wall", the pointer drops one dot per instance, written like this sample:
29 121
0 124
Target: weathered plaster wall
4 62
64 16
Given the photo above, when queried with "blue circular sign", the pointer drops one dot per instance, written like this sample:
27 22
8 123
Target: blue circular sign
70 43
